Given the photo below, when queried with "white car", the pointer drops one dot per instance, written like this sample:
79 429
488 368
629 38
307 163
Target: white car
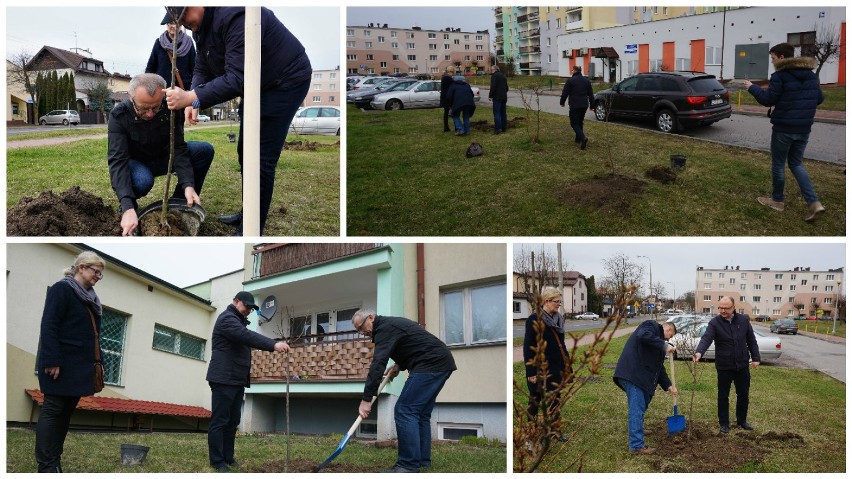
423 94
203 118
316 120
686 341
588 315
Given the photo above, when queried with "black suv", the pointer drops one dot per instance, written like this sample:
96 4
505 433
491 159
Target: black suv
675 100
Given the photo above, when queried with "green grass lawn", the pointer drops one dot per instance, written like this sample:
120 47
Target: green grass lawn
306 200
783 403
184 453
406 177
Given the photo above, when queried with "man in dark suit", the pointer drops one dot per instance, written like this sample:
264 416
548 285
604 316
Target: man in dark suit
446 84
578 91
228 375
498 94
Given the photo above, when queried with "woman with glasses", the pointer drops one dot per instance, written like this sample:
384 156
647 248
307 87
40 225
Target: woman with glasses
160 61
555 352
68 348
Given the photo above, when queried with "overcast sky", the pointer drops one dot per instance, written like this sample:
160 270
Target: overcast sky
677 262
179 264
469 19
122 37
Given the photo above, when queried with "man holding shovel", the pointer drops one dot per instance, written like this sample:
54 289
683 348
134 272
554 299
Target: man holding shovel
228 375
139 141
640 369
429 364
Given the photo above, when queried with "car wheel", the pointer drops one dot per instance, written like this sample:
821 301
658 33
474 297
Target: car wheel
393 105
338 132
600 111
65 122
43 122
666 121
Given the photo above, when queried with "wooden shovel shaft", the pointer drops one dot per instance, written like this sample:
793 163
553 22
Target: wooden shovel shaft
674 385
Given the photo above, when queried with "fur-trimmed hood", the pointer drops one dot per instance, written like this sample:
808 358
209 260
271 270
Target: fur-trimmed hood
796 63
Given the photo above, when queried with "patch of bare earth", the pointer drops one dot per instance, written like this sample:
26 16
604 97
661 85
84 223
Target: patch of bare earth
306 465
612 194
72 213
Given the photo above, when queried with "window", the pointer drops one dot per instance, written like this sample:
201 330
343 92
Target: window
813 301
475 314
409 46
707 286
829 289
454 432
351 57
804 282
779 287
814 287
742 286
829 277
383 64
779 276
396 58
381 39
481 58
433 58
350 32
466 37
366 33
516 306
776 299
792 287
446 36
743 275
479 48
393 34
113 328
316 99
793 277
755 299
708 275
446 46
827 301
732 281
368 44
412 58
816 277
15 110
713 55
706 297
479 38
433 46
758 276
369 56
350 44
432 35
721 275
319 86
457 41
804 41
176 342
394 44
331 98
756 286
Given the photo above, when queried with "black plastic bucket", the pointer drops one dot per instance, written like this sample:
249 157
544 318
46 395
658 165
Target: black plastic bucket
191 217
678 162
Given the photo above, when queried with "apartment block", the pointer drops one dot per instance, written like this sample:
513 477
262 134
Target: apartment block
777 293
325 88
377 49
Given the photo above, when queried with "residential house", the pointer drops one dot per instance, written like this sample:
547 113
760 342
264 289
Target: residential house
325 88
19 110
575 296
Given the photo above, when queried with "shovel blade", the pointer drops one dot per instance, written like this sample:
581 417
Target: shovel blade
676 423
335 453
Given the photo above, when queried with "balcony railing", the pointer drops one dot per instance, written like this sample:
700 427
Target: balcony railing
343 356
532 17
530 49
283 257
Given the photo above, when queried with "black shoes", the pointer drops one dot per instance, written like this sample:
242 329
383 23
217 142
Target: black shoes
584 143
232 219
724 429
746 426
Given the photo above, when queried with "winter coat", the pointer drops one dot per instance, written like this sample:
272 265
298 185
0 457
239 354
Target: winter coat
220 41
67 340
642 362
499 87
460 96
446 84
131 138
230 362
794 92
410 346
734 341
578 91
160 64
555 351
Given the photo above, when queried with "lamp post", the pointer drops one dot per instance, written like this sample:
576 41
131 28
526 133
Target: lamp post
650 279
674 295
836 306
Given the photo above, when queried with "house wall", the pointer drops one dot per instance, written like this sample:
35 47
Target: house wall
743 26
147 374
325 88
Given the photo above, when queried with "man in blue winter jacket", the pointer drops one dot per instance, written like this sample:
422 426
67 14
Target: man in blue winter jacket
735 344
639 371
285 78
795 93
228 375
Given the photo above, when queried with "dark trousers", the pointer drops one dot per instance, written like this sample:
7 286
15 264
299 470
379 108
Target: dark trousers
51 429
741 380
447 112
277 109
536 396
222 432
576 116
413 416
142 175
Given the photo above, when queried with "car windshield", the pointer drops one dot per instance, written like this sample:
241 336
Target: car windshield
400 86
705 85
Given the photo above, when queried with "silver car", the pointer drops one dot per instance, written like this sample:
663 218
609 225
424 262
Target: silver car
60 117
317 120
686 341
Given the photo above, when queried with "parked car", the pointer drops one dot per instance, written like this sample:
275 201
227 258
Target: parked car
203 118
686 342
684 321
811 317
60 117
422 94
785 326
762 317
674 100
362 98
588 315
316 120
367 82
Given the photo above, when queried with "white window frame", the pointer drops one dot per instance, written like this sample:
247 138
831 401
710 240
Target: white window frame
442 426
467 312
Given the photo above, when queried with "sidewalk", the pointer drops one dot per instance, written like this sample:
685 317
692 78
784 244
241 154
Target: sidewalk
518 353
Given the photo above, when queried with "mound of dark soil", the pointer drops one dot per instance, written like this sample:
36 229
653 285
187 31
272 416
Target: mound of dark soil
611 194
72 213
663 174
305 465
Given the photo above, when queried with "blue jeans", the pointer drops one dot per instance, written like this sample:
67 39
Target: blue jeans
277 108
51 430
462 115
500 122
413 414
142 175
637 404
222 432
789 149
576 116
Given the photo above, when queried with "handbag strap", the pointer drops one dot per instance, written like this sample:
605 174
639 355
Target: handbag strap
177 72
97 336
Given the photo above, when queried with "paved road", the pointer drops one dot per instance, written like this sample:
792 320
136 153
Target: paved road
828 357
827 141
518 326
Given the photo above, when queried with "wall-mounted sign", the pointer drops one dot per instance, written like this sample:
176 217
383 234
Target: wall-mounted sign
631 48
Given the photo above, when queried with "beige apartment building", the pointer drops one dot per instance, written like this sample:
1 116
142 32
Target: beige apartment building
325 88
377 49
777 293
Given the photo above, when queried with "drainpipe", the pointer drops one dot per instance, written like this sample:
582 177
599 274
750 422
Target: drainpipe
421 295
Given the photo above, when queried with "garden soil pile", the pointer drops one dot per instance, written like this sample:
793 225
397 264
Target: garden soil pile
72 213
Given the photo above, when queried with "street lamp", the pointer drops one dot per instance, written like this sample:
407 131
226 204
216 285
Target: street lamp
650 278
836 306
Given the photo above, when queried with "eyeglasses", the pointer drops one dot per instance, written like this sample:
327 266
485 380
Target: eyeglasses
723 308
360 327
143 110
97 272
557 301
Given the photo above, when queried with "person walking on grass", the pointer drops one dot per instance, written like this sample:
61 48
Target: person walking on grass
795 93
578 92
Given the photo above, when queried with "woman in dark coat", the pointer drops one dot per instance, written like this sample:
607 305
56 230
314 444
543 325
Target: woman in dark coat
160 61
460 99
67 352
555 351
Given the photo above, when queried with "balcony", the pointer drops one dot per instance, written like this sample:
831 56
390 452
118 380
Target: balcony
530 17
533 32
498 10
271 259
328 357
530 49
498 25
574 26
531 66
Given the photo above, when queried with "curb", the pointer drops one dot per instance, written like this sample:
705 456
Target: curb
835 121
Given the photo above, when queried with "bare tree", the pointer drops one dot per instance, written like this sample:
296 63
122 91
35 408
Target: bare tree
532 111
19 73
827 45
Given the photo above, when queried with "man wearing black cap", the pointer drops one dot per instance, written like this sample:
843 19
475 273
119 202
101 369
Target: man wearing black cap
285 72
228 375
